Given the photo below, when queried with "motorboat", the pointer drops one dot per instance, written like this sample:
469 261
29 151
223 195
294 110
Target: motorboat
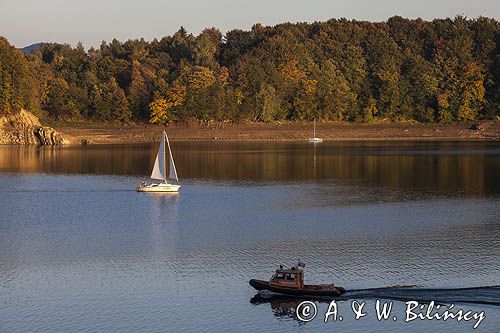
291 282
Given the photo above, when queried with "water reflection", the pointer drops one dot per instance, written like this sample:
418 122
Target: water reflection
463 167
80 250
162 212
282 307
487 295
285 307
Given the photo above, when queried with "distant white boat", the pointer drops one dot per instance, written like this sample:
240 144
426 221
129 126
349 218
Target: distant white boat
314 139
160 172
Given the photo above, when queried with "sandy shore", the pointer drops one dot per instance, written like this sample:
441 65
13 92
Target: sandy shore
288 131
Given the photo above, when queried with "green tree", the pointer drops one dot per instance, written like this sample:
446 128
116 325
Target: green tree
109 102
472 92
268 104
5 91
345 70
335 96
59 101
138 94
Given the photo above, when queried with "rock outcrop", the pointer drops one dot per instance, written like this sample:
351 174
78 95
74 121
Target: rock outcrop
24 128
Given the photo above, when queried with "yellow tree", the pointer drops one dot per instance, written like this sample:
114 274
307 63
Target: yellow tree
161 108
300 90
176 95
292 71
160 111
201 78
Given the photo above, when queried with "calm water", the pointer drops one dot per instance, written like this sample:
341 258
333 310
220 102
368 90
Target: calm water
80 250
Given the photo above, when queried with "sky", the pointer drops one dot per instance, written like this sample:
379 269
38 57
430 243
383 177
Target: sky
24 22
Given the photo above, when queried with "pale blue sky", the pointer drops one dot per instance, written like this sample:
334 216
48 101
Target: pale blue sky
24 22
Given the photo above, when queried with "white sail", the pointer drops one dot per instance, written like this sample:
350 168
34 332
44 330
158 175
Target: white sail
172 173
159 167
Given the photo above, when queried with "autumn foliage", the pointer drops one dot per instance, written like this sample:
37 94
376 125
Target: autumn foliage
339 70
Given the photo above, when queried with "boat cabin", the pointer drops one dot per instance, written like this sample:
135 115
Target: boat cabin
290 278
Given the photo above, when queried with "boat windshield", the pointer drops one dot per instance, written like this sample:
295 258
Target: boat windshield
278 276
282 276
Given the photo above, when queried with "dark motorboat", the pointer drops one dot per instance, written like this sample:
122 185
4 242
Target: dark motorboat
291 282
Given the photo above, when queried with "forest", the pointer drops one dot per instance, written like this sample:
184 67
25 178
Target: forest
340 70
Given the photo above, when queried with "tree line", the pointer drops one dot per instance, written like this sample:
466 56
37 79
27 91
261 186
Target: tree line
342 70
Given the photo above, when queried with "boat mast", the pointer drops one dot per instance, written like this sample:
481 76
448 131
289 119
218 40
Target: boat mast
172 174
314 128
164 159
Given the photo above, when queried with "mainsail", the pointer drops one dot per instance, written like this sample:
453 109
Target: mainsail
159 170
159 167
172 173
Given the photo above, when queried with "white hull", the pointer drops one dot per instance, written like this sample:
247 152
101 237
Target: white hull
161 187
314 139
160 172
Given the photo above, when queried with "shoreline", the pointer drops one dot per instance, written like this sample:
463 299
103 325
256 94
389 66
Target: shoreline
278 132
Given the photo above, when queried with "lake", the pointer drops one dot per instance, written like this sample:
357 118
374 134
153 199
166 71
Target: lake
81 250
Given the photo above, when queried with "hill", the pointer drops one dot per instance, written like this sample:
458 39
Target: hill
443 70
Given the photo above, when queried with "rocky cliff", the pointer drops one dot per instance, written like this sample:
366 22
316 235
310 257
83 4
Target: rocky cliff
24 128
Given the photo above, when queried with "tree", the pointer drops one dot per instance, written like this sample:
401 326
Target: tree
335 96
19 87
384 59
370 111
5 91
299 91
138 95
160 111
59 101
472 92
207 48
268 106
109 102
401 69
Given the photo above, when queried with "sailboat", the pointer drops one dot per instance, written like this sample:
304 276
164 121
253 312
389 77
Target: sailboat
314 139
159 172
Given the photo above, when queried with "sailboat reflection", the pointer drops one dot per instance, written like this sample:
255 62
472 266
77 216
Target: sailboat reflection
163 203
